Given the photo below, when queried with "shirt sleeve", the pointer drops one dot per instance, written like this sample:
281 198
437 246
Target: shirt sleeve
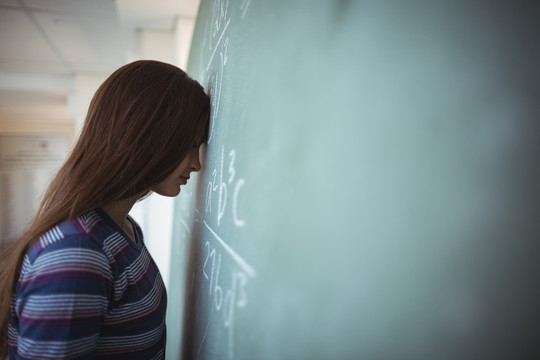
61 300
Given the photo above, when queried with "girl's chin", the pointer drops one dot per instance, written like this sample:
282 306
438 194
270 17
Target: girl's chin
169 192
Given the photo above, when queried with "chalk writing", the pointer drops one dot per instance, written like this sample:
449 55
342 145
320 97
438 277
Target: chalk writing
226 297
220 186
225 285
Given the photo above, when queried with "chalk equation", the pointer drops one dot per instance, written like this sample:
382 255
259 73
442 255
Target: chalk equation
224 273
221 186
227 287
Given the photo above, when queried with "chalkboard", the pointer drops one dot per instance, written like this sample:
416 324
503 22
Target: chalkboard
371 185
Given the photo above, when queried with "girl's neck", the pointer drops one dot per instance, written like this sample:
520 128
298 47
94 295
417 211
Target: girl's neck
118 211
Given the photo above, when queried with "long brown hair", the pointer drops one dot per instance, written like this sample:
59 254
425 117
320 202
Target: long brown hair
141 123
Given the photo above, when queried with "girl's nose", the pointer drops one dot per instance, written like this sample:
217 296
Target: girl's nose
195 163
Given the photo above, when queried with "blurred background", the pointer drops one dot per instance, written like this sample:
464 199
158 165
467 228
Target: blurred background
53 56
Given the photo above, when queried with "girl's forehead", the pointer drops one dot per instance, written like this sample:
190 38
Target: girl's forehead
199 140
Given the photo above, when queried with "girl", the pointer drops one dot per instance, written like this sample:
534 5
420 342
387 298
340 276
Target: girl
80 283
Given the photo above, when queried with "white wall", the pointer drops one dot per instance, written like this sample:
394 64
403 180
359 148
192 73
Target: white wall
86 85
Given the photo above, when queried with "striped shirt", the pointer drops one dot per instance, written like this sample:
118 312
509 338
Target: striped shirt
87 291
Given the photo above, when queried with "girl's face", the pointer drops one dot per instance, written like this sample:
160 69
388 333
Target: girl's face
171 185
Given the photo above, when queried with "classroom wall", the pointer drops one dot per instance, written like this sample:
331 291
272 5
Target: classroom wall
36 132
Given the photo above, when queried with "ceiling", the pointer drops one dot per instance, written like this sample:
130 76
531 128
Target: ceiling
62 37
45 44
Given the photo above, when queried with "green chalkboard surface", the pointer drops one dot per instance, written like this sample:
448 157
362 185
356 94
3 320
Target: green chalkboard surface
371 185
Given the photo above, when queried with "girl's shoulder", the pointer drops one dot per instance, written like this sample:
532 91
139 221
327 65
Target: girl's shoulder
76 246
90 238
85 231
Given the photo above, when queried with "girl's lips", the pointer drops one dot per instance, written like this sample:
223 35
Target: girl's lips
184 179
